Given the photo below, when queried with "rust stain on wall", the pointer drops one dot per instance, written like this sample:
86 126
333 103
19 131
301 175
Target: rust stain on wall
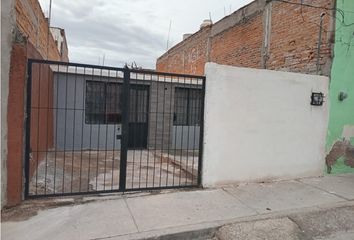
340 149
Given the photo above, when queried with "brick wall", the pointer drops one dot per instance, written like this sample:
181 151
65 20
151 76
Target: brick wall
188 56
41 116
15 120
273 35
32 23
42 122
30 41
240 44
294 37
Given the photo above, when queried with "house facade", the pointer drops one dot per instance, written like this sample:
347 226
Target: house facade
164 113
340 138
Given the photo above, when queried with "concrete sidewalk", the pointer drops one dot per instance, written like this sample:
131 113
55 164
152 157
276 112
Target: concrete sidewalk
135 216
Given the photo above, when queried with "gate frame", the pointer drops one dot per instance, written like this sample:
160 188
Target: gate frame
125 128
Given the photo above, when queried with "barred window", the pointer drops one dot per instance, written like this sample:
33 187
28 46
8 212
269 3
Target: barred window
187 104
103 103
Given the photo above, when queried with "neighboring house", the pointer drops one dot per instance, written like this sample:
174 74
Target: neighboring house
95 103
24 34
340 139
284 35
275 35
60 40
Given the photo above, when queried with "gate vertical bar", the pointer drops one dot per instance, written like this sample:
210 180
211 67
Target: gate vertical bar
28 128
125 131
201 134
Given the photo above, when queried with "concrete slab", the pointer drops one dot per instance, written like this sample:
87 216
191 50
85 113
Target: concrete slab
278 196
341 185
87 221
141 215
184 208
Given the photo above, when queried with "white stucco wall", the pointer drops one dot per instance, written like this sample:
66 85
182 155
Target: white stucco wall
259 125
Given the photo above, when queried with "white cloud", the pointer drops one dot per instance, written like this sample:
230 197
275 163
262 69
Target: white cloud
130 30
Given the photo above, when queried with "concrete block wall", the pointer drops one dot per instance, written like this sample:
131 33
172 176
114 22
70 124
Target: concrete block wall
161 115
264 34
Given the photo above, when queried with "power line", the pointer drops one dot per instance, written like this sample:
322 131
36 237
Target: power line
340 11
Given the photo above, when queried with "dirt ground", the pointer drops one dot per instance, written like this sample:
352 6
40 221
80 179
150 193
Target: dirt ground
86 171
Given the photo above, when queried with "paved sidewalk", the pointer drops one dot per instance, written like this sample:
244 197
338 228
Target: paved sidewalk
133 216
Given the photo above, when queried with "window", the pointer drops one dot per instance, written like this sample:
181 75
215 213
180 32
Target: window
103 105
187 106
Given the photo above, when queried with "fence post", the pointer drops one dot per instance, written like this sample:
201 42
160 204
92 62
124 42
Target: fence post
28 128
125 130
201 135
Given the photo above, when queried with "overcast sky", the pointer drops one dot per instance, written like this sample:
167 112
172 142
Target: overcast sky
130 30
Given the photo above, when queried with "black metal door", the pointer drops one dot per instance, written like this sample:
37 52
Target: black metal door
138 116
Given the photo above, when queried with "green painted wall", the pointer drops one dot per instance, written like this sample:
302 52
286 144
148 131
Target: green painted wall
342 79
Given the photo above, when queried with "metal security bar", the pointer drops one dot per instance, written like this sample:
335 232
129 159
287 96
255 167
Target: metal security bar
97 129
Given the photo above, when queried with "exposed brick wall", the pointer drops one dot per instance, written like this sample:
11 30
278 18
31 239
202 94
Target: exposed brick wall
41 120
187 57
15 119
289 42
31 41
240 44
32 23
294 37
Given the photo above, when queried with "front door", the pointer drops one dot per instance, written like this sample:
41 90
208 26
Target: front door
138 116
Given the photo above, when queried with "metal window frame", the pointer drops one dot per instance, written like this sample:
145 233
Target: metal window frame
187 119
105 102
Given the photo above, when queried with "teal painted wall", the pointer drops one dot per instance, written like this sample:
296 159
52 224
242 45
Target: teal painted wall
342 79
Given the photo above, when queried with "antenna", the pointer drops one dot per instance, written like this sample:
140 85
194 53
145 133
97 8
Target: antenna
50 12
103 58
210 16
49 18
168 36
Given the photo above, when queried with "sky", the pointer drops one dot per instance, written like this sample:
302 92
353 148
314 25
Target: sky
126 31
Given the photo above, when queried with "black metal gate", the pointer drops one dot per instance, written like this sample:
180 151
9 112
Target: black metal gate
98 129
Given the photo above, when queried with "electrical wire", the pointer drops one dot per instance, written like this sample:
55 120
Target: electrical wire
340 11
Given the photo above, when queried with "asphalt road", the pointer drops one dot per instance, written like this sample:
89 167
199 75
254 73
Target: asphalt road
333 224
